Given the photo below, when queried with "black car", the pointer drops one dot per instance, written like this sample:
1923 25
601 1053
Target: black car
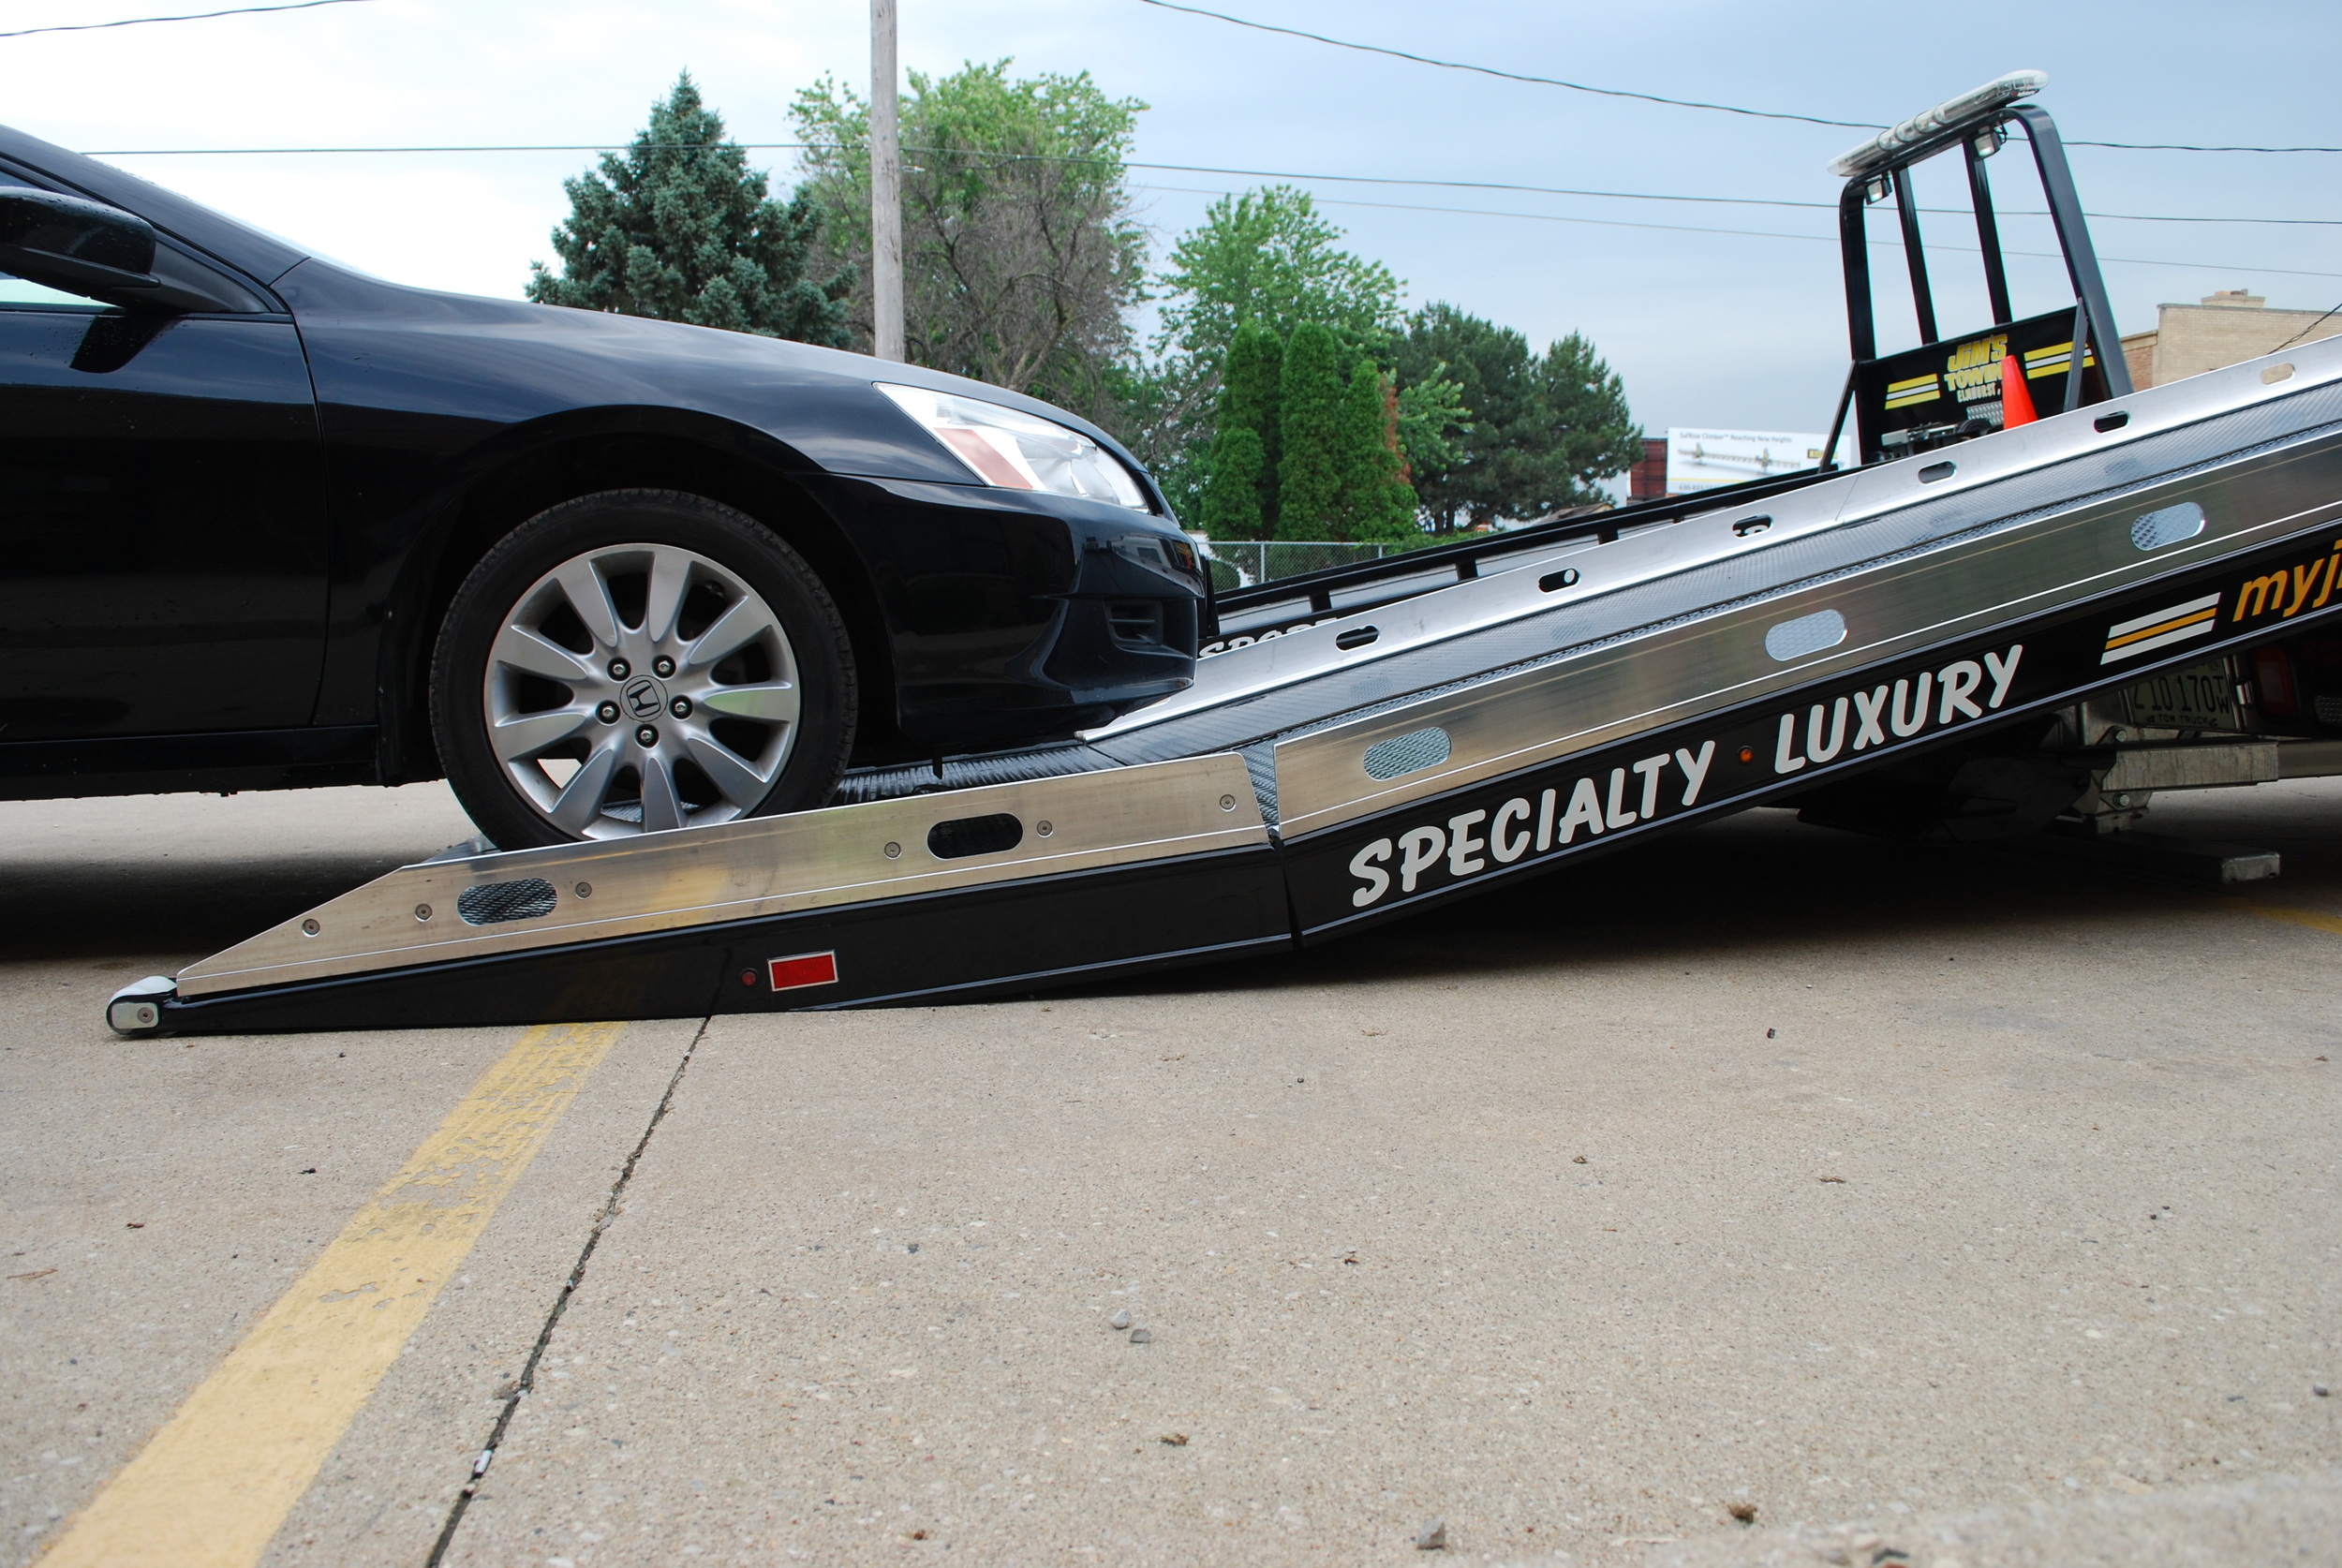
266 521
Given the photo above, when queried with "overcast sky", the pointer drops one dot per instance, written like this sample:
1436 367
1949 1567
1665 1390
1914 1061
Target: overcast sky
1707 328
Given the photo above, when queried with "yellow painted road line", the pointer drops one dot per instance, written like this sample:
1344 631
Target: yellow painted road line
2310 918
211 1487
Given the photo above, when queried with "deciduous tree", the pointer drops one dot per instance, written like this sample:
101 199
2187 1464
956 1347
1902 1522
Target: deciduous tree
1268 257
1021 257
1265 258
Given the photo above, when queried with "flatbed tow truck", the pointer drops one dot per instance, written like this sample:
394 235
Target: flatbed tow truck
2037 598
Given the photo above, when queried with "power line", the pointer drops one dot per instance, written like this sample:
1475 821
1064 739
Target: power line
2307 331
1715 200
1773 234
194 16
1508 76
1658 98
1186 168
1761 233
1535 218
2191 147
1193 10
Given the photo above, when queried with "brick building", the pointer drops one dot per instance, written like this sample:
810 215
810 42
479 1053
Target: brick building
2224 328
1647 481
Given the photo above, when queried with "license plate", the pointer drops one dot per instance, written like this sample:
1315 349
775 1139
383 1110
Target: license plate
2200 697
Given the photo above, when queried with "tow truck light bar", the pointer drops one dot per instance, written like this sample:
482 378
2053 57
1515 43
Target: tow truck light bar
1923 127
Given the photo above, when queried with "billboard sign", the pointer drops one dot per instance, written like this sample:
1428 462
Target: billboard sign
1707 459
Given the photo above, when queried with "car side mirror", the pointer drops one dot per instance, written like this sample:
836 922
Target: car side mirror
82 247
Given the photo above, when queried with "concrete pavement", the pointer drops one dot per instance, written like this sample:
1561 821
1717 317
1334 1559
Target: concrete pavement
1979 1204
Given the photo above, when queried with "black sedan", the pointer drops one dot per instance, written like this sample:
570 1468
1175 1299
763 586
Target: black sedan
266 521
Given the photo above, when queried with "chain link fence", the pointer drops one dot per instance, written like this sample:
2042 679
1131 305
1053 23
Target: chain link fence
1241 564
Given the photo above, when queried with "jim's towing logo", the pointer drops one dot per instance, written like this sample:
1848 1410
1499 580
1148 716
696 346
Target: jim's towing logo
1469 843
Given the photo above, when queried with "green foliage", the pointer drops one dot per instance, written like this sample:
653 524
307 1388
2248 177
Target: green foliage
1251 386
1337 473
1377 503
1249 436
1022 259
1268 257
1308 472
1232 499
681 229
1434 419
1265 258
1543 429
1591 434
1334 472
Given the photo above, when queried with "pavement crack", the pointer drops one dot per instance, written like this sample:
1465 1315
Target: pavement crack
527 1381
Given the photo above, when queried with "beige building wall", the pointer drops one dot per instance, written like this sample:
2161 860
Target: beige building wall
2139 353
2224 328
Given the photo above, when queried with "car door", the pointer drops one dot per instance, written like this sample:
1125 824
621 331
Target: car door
162 552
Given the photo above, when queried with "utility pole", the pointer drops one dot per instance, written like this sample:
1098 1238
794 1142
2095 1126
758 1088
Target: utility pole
886 189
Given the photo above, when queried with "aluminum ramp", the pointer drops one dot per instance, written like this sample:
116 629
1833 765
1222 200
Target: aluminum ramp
1375 761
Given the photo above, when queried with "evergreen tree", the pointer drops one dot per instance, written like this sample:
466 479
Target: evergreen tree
682 230
1232 497
1542 430
1377 503
1248 417
1309 471
1588 435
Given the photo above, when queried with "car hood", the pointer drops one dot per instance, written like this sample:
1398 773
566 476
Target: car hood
516 360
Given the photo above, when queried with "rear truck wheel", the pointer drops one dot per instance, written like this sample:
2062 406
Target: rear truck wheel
638 660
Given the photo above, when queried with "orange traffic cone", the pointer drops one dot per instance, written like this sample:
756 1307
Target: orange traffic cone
2016 402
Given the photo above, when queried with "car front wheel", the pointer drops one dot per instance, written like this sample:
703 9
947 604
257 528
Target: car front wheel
636 662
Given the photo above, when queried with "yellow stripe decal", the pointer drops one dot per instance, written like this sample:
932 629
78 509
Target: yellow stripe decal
2162 626
210 1488
1893 386
2054 360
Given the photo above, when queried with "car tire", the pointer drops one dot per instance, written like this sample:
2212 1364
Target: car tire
638 660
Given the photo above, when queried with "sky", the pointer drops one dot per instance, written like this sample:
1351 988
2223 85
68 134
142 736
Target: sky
1714 315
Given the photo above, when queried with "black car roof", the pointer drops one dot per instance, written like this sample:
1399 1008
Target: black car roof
254 251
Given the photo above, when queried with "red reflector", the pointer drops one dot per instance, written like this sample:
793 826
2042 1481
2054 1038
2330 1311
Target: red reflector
806 968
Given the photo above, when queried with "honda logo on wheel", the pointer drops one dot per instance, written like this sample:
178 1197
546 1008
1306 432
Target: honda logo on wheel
643 698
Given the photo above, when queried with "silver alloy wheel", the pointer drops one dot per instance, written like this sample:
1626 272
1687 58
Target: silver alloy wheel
637 688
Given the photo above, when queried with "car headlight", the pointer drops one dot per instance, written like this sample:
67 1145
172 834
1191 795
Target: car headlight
1018 450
